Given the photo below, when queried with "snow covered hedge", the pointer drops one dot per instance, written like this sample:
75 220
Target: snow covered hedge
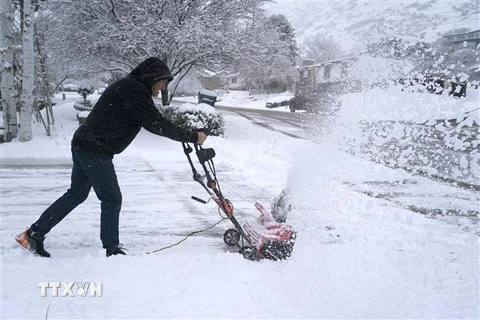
195 117
83 105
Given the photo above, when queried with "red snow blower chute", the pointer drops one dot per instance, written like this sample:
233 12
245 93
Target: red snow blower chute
264 237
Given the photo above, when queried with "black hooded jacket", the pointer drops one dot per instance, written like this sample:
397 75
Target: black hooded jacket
124 108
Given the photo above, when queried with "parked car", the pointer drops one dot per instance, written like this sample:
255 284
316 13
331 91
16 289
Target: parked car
324 99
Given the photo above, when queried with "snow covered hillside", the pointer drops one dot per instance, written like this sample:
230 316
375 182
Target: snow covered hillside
356 256
354 23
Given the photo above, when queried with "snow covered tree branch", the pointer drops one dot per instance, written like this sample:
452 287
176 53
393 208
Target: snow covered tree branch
96 36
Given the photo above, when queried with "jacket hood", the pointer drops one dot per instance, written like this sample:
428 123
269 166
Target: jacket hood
151 71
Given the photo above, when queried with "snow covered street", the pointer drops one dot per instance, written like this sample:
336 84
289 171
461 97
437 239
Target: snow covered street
356 255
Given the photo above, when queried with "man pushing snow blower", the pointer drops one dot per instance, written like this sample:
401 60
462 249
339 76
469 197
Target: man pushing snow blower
121 111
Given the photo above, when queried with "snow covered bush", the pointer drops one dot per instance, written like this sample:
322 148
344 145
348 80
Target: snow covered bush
85 92
194 117
85 105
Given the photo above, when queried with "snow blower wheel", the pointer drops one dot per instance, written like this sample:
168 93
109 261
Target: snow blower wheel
231 237
248 253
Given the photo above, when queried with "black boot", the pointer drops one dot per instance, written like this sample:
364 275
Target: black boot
35 240
116 250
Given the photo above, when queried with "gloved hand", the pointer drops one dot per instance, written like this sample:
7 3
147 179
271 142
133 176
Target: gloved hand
201 137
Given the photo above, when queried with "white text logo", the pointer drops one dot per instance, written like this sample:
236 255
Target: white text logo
71 289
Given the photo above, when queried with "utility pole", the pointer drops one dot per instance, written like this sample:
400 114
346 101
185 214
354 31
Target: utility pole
6 68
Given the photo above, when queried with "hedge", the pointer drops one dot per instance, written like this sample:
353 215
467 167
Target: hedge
195 117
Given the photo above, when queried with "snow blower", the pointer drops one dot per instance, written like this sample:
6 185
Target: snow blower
260 238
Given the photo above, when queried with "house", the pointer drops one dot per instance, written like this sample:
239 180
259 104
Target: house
221 80
314 76
211 80
320 84
234 82
461 40
351 72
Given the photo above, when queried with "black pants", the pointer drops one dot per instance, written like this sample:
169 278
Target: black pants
89 170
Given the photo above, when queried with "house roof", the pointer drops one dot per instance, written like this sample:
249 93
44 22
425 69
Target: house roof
466 36
324 63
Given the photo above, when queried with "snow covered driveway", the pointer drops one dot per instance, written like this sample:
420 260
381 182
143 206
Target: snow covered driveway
356 256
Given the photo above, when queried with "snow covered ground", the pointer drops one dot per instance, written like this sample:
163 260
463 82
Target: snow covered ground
356 256
244 100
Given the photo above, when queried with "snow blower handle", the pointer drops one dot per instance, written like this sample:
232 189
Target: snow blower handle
204 156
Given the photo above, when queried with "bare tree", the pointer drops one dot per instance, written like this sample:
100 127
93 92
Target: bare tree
321 47
28 85
270 61
7 76
105 36
43 89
